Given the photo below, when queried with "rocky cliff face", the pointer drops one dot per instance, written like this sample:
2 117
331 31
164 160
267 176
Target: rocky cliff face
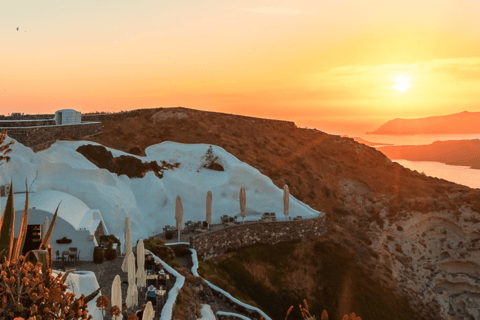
417 234
435 258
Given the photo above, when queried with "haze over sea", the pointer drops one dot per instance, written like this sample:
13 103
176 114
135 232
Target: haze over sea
458 174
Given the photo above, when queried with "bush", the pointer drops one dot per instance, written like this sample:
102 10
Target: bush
158 248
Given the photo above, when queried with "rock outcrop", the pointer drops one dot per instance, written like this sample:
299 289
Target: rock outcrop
128 165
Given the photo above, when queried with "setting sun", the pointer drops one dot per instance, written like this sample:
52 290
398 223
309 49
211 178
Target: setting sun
402 83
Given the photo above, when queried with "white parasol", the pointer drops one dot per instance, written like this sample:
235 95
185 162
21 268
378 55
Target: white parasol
127 248
141 275
132 292
243 203
117 294
209 208
179 214
286 200
148 313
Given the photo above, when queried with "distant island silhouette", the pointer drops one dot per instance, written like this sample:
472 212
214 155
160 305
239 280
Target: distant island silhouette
456 152
459 123
366 142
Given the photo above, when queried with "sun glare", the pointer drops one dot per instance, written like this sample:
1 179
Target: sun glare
402 83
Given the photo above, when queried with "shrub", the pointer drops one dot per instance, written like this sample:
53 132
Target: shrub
158 248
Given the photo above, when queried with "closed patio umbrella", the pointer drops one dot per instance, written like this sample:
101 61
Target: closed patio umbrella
141 275
209 208
243 203
286 200
148 313
128 244
117 294
132 292
179 214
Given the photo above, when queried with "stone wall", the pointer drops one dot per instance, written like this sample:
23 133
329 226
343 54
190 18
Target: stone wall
27 116
213 244
41 137
26 123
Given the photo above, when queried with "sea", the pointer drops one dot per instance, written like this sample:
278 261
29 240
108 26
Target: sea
458 174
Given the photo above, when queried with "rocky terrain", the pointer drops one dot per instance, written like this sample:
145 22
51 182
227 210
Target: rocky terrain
125 164
415 235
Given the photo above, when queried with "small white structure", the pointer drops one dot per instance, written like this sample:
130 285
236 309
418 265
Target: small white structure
75 220
68 116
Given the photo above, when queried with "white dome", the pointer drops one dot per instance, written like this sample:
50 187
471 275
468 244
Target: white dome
71 208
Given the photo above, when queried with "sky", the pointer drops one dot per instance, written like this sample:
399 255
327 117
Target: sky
339 66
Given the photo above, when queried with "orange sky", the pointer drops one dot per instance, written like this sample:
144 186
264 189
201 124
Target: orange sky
325 64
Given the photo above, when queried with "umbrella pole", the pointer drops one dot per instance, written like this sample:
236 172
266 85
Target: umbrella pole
178 235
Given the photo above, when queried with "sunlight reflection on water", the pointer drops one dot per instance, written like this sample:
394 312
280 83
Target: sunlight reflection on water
458 174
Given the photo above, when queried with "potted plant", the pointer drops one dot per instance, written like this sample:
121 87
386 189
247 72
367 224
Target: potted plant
110 253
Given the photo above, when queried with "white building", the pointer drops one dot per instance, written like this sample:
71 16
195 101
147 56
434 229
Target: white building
68 116
75 220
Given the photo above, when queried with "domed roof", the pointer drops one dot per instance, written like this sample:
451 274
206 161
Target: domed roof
63 110
71 208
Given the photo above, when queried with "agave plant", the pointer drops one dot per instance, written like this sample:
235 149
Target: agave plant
11 248
23 288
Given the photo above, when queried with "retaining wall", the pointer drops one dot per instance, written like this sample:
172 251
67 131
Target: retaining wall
213 244
26 123
27 116
41 137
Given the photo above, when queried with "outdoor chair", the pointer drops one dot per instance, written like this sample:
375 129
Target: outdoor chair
58 257
77 257
72 257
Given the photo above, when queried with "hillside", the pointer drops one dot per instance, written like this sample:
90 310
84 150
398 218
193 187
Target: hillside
459 123
458 152
417 236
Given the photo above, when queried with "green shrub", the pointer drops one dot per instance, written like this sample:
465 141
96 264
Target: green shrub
158 248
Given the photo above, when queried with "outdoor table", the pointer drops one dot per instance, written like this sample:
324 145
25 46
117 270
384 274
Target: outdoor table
69 254
157 277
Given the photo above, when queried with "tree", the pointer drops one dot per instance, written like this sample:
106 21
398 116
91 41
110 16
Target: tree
5 149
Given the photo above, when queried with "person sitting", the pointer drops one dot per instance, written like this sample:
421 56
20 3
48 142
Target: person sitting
125 311
139 313
152 295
